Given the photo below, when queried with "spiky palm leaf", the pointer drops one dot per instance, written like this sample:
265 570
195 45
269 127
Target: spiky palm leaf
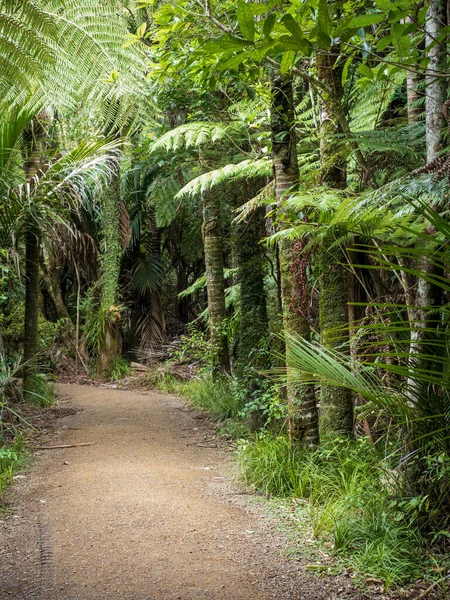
58 188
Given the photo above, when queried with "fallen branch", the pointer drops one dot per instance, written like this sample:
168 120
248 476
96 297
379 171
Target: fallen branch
431 588
58 447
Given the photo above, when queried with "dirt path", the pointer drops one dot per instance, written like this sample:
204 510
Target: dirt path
143 513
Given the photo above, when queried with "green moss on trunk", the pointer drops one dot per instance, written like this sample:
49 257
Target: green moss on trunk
302 408
110 259
336 402
212 237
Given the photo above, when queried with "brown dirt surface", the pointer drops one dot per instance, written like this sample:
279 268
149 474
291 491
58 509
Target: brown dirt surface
146 512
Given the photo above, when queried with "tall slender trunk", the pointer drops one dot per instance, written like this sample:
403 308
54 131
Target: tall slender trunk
31 332
212 238
35 139
435 85
158 337
429 295
302 407
336 402
110 265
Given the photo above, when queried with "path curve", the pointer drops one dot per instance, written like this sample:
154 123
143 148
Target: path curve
144 513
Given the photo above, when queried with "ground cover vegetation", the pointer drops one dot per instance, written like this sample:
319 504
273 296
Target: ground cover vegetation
251 198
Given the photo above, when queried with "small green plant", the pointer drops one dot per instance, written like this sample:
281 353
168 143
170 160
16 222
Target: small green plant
194 348
120 369
12 457
262 400
13 328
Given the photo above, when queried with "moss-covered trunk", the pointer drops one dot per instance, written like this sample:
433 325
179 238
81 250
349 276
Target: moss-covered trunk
110 259
212 239
294 265
31 333
336 402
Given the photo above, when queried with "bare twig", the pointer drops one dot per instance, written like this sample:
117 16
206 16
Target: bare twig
61 446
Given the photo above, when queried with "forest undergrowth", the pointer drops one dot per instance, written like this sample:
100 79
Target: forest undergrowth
347 503
16 426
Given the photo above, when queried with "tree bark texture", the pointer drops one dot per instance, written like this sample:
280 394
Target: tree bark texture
336 402
435 86
302 407
429 295
213 244
110 266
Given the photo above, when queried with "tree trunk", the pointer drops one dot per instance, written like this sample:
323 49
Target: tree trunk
302 408
212 237
51 280
110 265
429 295
31 332
336 402
34 148
435 85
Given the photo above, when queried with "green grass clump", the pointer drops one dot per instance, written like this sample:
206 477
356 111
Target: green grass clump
120 369
43 392
347 501
215 396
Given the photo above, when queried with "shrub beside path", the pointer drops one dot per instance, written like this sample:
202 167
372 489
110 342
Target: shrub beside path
146 512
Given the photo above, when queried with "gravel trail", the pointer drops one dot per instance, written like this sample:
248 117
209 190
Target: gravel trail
146 512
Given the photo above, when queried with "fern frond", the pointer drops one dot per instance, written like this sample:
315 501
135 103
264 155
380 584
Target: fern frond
247 168
194 135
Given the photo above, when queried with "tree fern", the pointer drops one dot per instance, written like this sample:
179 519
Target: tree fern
74 53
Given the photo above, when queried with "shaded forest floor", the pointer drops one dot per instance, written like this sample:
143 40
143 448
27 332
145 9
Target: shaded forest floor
146 511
